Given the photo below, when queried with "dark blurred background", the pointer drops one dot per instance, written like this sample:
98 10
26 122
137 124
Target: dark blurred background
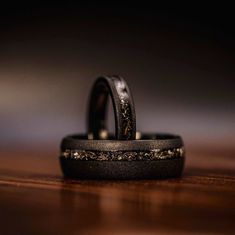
178 61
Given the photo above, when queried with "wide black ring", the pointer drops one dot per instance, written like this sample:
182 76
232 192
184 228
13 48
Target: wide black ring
124 111
151 157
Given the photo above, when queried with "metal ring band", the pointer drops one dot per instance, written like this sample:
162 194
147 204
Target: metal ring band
122 170
147 142
147 158
124 111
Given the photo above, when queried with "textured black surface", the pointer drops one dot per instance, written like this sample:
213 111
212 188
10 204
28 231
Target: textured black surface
149 142
135 169
160 169
124 110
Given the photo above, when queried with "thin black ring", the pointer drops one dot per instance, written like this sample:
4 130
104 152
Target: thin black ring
123 105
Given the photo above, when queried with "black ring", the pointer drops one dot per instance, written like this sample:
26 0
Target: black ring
122 157
146 158
124 111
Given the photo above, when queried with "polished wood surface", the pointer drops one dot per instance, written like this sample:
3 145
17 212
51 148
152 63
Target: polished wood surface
35 199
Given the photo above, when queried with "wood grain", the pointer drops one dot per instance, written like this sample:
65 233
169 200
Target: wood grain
35 199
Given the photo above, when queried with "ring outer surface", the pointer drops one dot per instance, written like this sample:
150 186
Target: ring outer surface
134 169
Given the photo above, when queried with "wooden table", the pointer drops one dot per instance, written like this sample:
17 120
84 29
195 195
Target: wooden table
35 199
